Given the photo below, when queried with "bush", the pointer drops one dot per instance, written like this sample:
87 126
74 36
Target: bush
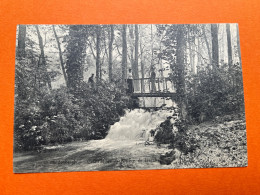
164 134
61 116
177 139
215 93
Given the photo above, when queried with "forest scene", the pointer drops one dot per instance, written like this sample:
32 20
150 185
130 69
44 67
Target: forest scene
128 97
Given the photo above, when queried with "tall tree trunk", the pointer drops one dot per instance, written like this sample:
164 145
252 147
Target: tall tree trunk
198 50
180 68
131 46
238 44
98 68
20 53
193 48
21 41
191 57
207 43
60 54
76 51
46 75
151 48
124 54
110 55
215 49
230 60
142 61
135 70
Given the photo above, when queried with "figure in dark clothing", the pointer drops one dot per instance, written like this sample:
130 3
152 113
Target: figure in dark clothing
130 86
152 133
153 87
91 81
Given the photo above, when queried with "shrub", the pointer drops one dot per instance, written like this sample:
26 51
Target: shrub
60 116
215 94
179 139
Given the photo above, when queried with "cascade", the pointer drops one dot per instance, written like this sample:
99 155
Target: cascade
137 123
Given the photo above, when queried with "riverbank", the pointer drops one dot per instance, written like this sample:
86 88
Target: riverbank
221 144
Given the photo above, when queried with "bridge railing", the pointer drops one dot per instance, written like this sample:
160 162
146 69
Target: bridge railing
156 85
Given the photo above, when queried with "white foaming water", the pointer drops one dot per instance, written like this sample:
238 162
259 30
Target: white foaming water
137 122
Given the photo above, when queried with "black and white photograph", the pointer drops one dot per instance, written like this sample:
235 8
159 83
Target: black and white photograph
128 97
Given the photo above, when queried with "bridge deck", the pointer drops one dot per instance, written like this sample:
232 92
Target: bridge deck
166 94
156 87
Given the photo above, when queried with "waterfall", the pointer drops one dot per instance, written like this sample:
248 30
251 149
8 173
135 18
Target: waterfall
137 123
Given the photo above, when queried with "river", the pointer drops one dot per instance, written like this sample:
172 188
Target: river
124 148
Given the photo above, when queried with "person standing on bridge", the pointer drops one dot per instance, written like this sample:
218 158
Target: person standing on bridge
130 86
153 76
91 81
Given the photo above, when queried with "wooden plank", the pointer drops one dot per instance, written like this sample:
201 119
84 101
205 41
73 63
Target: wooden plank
154 95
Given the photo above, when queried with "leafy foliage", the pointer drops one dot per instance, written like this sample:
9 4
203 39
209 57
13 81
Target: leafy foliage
174 132
212 90
59 116
222 144
215 94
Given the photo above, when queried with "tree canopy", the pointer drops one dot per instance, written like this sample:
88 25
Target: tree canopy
54 64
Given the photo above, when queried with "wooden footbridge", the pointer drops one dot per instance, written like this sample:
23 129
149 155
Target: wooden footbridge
158 87
153 93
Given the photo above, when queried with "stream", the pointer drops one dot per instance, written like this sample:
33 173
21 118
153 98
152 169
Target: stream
124 148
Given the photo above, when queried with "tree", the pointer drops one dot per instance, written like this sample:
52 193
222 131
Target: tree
174 53
46 77
124 54
180 70
238 45
215 49
142 60
135 68
110 50
20 54
60 55
190 41
230 60
207 43
98 68
76 49
131 46
21 41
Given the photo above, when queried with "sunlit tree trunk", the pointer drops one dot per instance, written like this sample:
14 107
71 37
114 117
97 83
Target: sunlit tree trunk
207 43
135 70
215 49
151 47
98 68
142 60
131 46
60 54
238 44
124 55
191 52
199 50
230 60
110 60
142 63
43 60
180 68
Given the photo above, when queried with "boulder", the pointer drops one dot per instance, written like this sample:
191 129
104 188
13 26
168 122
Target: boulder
167 158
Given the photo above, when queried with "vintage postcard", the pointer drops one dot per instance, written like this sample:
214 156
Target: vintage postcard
128 97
